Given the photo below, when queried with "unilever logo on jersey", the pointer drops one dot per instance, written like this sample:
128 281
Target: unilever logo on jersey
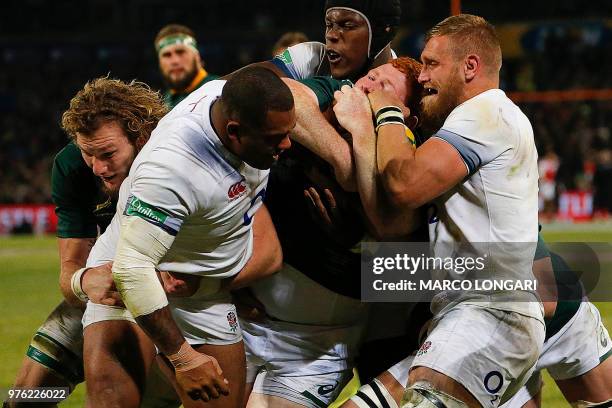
142 209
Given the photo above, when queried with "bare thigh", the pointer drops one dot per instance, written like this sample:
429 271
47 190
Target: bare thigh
593 386
117 357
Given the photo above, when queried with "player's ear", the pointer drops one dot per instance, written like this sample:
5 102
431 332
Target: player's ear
471 66
233 129
140 142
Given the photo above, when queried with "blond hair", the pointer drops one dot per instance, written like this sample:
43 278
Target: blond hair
471 35
134 106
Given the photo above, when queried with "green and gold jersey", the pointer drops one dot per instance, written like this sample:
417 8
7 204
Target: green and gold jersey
324 88
173 98
83 209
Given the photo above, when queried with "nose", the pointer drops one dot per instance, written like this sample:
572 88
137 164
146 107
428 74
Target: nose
332 34
285 143
423 77
99 167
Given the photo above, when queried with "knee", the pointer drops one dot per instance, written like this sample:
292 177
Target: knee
423 395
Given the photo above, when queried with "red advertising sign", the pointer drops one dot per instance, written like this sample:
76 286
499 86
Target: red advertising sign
38 219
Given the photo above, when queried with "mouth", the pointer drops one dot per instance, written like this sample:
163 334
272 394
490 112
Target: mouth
430 91
333 56
108 179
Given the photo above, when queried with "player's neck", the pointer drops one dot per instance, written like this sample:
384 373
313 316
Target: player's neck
479 86
218 121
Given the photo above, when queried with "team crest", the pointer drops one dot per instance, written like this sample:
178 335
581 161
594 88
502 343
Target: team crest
232 320
424 348
237 190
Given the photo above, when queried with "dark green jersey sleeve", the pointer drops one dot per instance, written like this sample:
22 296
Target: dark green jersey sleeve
324 87
541 249
80 204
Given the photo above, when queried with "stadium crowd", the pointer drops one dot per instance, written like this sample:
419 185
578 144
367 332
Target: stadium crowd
36 82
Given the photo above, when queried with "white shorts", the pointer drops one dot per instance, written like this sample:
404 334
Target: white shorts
58 343
581 345
400 371
305 364
210 321
490 352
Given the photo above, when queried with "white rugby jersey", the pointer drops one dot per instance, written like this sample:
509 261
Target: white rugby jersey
305 60
186 182
498 201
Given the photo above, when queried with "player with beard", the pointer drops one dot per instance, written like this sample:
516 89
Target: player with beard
480 162
180 63
85 182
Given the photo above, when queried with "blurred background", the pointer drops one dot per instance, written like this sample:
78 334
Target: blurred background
557 66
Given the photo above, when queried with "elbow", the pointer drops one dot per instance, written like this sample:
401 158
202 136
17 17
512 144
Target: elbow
276 262
400 196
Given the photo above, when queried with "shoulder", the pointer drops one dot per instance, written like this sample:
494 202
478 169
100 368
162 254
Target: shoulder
69 159
301 60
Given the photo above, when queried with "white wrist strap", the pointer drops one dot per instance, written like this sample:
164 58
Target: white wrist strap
75 284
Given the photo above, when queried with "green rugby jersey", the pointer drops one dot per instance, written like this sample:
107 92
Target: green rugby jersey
569 290
324 88
172 98
83 209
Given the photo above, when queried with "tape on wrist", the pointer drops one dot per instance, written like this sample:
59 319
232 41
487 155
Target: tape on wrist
389 115
186 358
75 284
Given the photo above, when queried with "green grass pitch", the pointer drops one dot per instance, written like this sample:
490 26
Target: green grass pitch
29 270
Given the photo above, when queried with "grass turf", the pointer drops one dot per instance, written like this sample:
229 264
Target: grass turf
29 269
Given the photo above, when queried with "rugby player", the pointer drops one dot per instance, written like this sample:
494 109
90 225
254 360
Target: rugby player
180 63
480 162
576 349
581 370
84 190
188 205
328 333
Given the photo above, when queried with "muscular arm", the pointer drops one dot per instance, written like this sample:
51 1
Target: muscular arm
267 257
314 132
386 221
73 254
412 178
140 247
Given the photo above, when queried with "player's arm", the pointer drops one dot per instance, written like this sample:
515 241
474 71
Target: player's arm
410 177
544 273
141 246
314 131
267 255
73 254
385 221
76 231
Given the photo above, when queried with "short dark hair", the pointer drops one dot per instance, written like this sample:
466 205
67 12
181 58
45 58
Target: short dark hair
252 92
172 29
